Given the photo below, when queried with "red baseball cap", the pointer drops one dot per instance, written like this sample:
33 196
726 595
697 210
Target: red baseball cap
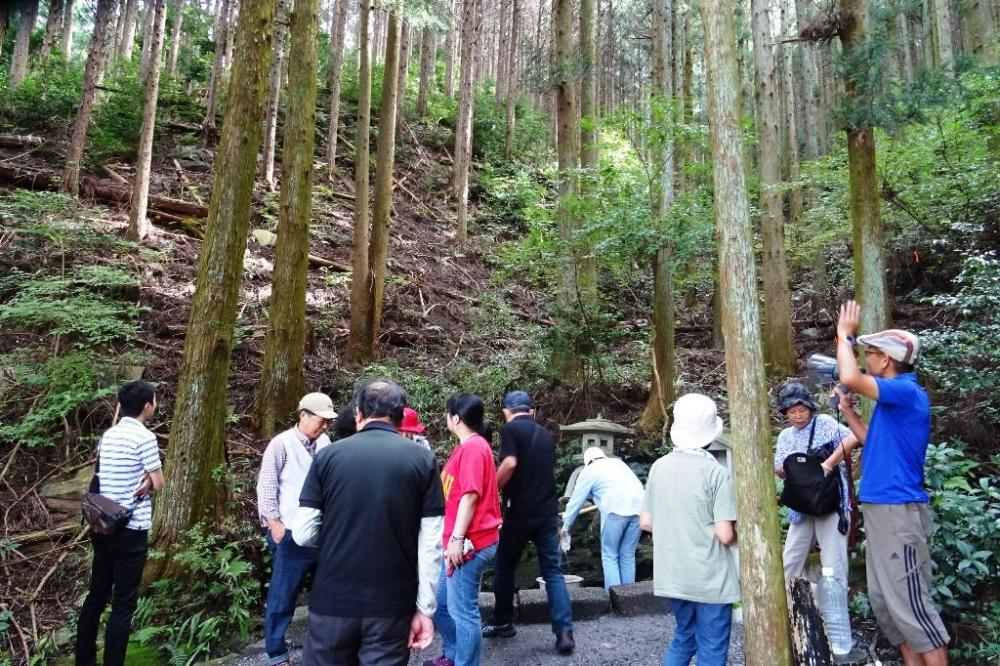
411 421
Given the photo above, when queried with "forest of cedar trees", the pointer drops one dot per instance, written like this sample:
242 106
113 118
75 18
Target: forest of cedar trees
608 203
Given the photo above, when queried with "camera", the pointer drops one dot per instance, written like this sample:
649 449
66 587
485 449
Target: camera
822 370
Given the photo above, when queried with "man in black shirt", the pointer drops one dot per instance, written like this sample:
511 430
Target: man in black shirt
376 505
527 478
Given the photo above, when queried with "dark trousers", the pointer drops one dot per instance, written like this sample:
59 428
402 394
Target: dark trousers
289 566
357 641
514 536
117 570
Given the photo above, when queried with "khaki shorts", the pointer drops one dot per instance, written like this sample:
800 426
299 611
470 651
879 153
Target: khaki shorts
898 564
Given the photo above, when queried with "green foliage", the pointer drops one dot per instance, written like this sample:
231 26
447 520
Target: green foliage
960 361
45 101
489 130
965 496
213 601
73 322
118 118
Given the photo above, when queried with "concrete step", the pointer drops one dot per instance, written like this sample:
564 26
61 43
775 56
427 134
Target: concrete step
637 599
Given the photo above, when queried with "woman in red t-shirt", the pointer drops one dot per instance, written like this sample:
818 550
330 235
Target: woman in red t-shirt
471 531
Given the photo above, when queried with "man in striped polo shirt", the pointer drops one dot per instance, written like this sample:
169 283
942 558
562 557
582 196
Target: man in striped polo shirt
129 472
283 469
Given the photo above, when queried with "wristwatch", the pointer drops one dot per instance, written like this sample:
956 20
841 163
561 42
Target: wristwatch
853 341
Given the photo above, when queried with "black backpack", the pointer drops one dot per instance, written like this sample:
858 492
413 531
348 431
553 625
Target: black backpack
808 489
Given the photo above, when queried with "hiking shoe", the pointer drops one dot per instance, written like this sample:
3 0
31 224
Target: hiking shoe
565 642
499 631
440 661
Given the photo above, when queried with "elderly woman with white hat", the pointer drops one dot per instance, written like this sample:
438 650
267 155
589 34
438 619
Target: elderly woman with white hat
690 509
617 492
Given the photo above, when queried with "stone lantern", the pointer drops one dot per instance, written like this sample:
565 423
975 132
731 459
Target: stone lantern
597 432
722 450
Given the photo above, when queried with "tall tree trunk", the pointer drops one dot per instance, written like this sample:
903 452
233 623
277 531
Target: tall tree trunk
139 226
779 347
661 391
197 433
281 380
175 37
503 52
357 351
589 121
146 55
449 56
512 59
53 28
471 23
568 151
790 127
209 130
428 48
66 37
405 44
870 287
942 19
338 27
810 88
27 16
275 80
124 49
766 631
92 75
378 251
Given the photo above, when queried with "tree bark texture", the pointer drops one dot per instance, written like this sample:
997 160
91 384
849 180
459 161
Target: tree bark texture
449 51
209 129
357 351
942 28
175 36
405 44
503 52
66 37
275 79
471 24
91 77
512 60
281 379
197 433
53 28
809 92
139 226
790 130
124 48
661 392
4 22
779 346
428 48
378 252
338 29
27 16
870 286
147 31
761 576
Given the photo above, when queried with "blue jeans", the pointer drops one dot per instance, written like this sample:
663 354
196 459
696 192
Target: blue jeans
289 566
457 616
514 535
702 628
619 538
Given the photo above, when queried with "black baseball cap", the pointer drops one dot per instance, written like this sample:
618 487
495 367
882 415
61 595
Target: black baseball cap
518 400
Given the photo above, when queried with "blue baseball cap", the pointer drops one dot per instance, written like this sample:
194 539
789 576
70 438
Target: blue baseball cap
518 400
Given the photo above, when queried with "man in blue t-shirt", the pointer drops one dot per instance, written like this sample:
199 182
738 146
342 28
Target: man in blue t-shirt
892 495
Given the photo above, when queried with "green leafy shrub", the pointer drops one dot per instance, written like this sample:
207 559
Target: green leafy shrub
214 600
118 118
45 101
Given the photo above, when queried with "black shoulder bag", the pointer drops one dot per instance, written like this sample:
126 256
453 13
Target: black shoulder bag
102 515
808 488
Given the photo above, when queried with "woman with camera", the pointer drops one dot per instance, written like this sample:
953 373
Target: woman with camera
816 434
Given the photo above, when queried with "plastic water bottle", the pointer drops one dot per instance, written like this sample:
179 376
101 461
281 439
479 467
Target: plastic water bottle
833 606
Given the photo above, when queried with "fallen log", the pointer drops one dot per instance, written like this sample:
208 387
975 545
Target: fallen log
98 188
18 140
55 534
328 263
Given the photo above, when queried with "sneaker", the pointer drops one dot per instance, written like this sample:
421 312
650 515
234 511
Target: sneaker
565 642
499 631
440 661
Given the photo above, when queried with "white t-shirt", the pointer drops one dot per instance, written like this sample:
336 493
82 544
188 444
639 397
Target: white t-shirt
127 452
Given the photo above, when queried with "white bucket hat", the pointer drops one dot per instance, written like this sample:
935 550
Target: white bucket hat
592 454
696 422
